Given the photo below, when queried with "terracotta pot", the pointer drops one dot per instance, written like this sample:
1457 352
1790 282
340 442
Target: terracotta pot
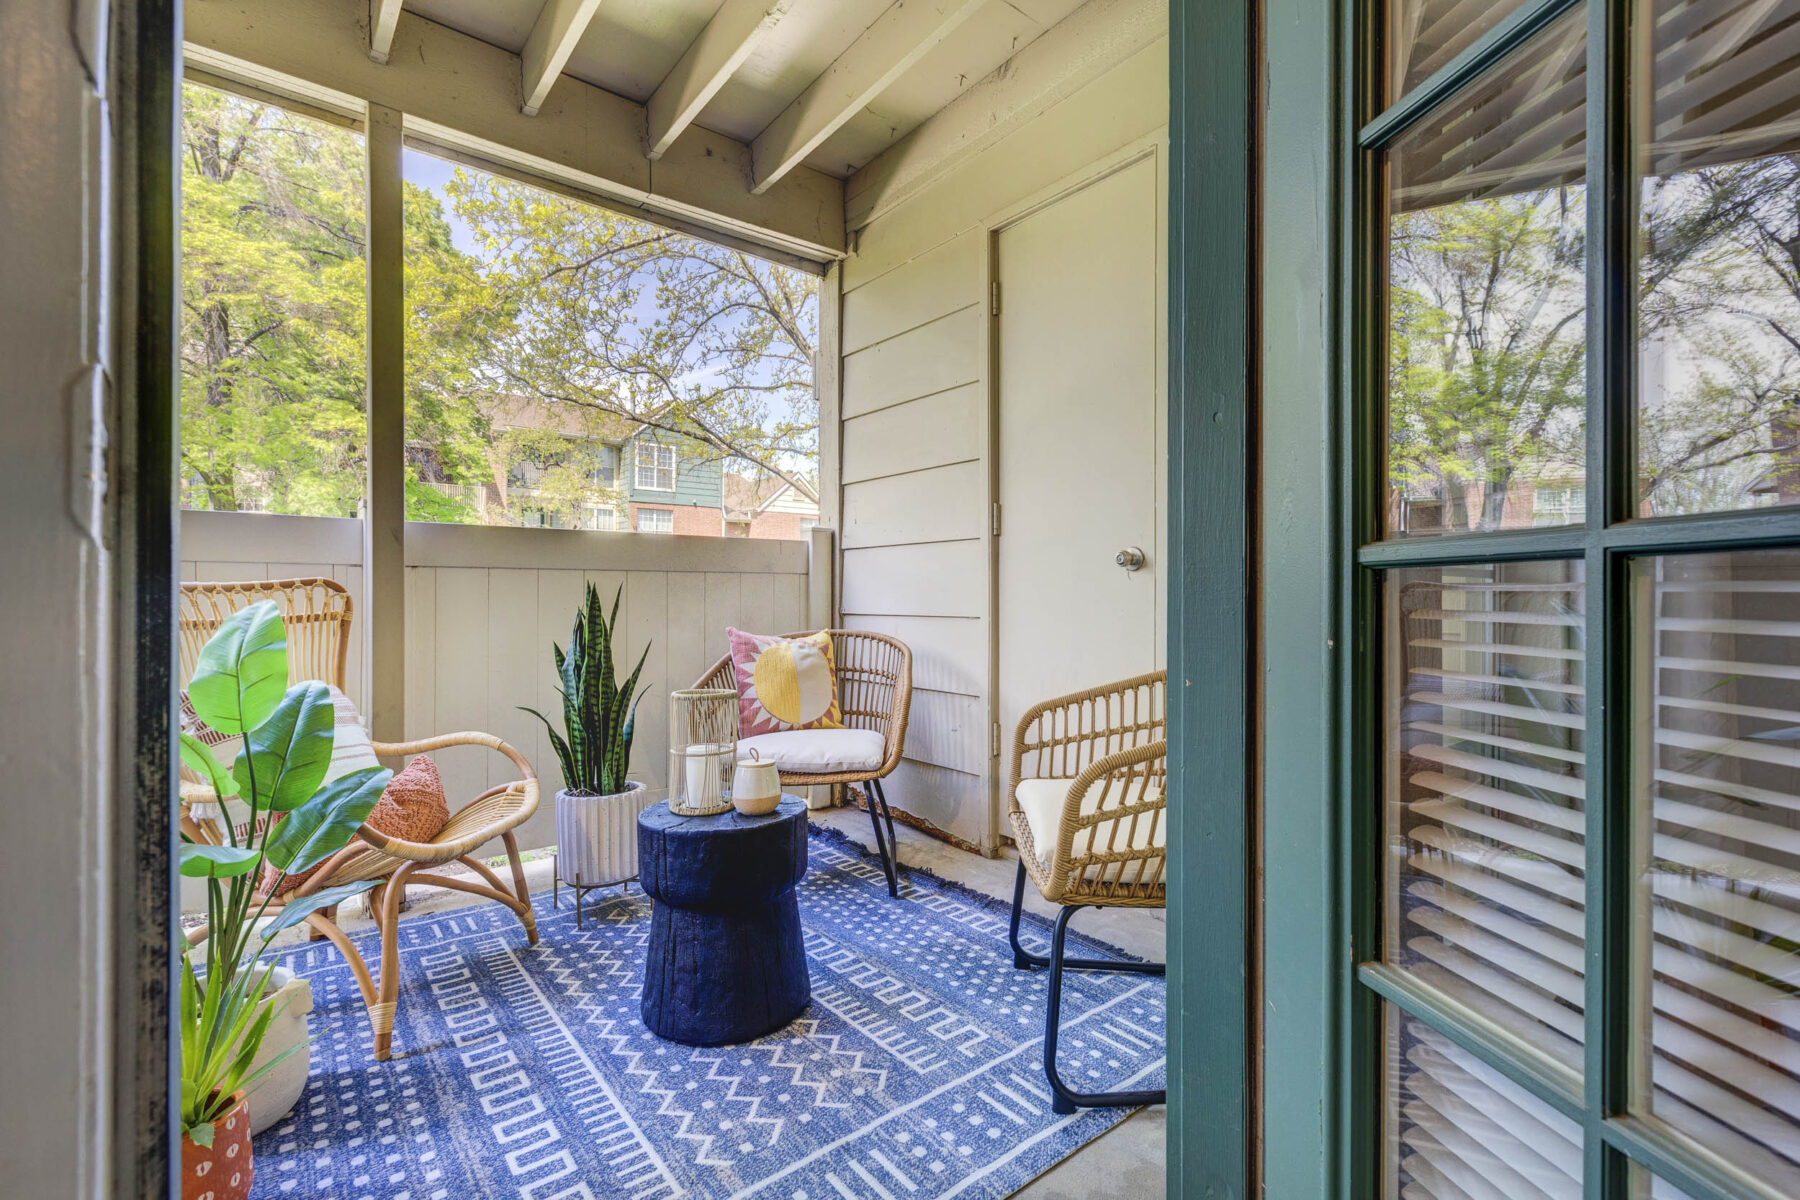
221 1171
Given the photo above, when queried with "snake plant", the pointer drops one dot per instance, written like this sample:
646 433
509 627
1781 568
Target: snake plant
598 715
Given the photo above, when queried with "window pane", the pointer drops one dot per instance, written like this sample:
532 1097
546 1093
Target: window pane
1485 304
564 361
1458 1129
1425 35
1645 1186
1718 804
1484 821
272 303
1719 367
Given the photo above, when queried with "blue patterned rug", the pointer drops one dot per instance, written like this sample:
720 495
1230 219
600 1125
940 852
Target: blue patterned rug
524 1071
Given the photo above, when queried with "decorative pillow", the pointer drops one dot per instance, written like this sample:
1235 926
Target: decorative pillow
412 806
784 683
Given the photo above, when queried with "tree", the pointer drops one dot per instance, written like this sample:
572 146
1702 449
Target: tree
627 320
1485 351
273 299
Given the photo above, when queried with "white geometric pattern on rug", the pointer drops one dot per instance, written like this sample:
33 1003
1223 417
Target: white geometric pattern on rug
917 1071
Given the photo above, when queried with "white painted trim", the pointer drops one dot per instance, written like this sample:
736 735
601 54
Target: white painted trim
500 546
458 90
383 15
1079 49
707 64
884 52
251 537
559 26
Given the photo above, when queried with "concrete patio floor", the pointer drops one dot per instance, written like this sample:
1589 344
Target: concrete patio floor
1126 1161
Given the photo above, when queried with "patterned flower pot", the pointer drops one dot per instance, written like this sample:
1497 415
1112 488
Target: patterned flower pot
221 1171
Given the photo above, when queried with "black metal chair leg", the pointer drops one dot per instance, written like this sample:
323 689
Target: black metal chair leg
1063 1100
888 813
1025 960
887 861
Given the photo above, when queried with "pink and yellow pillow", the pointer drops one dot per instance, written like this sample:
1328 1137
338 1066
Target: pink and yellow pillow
784 683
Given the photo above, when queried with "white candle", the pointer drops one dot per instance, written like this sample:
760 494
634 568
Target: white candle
703 775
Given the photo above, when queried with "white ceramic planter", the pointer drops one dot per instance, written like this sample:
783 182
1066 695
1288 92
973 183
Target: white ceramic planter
596 836
276 1093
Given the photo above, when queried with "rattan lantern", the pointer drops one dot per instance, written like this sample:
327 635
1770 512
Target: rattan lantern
703 729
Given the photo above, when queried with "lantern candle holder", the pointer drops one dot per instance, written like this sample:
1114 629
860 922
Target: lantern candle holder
702 750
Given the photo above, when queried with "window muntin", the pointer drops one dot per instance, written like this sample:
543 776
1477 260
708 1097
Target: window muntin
273 251
1456 1127
655 520
1485 824
1423 36
1718 401
1717 804
1484 301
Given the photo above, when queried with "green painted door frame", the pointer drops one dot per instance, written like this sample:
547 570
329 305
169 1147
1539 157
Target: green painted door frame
1213 329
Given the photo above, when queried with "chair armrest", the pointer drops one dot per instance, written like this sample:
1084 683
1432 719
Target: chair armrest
516 813
1139 713
1130 776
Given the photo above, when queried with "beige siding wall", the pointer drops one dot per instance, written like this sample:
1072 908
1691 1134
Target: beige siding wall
483 605
916 465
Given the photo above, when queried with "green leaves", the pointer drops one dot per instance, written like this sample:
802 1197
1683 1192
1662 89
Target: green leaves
242 670
199 757
201 861
284 758
598 715
320 828
298 908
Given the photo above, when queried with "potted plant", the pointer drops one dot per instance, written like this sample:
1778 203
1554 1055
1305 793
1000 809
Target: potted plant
297 821
594 750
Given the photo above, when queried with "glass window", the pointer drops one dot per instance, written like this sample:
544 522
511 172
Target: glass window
1424 36
1645 1186
655 520
544 334
272 300
655 467
1457 1128
1485 295
1484 794
1718 274
1718 805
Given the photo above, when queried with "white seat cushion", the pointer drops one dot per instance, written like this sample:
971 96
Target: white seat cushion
818 751
1041 802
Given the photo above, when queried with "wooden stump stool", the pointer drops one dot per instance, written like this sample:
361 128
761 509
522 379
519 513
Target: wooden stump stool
726 961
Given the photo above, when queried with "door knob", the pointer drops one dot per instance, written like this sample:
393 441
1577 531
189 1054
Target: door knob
1131 558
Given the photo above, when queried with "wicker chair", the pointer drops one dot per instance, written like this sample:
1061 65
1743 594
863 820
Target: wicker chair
317 615
1088 778
874 680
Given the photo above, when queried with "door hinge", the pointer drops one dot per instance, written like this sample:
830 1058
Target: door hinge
994 740
994 523
994 297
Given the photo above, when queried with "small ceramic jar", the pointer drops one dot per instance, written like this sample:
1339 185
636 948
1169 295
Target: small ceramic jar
756 786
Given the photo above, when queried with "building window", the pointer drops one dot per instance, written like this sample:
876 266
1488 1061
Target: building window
655 520
603 519
655 467
1563 505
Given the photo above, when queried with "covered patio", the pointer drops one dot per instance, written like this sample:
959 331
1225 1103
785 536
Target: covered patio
942 187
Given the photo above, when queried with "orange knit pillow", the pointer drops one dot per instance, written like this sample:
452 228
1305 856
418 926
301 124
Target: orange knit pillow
412 808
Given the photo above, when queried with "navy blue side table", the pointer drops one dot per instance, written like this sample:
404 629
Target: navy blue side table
726 961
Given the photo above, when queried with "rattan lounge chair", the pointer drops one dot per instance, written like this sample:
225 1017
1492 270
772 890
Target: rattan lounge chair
874 681
317 615
1088 810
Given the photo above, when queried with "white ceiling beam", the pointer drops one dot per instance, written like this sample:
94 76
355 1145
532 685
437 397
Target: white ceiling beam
383 16
713 58
559 26
900 37
458 93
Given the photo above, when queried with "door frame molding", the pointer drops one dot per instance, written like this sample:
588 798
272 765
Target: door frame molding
1215 101
1153 145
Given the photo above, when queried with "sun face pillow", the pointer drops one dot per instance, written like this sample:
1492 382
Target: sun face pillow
784 683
